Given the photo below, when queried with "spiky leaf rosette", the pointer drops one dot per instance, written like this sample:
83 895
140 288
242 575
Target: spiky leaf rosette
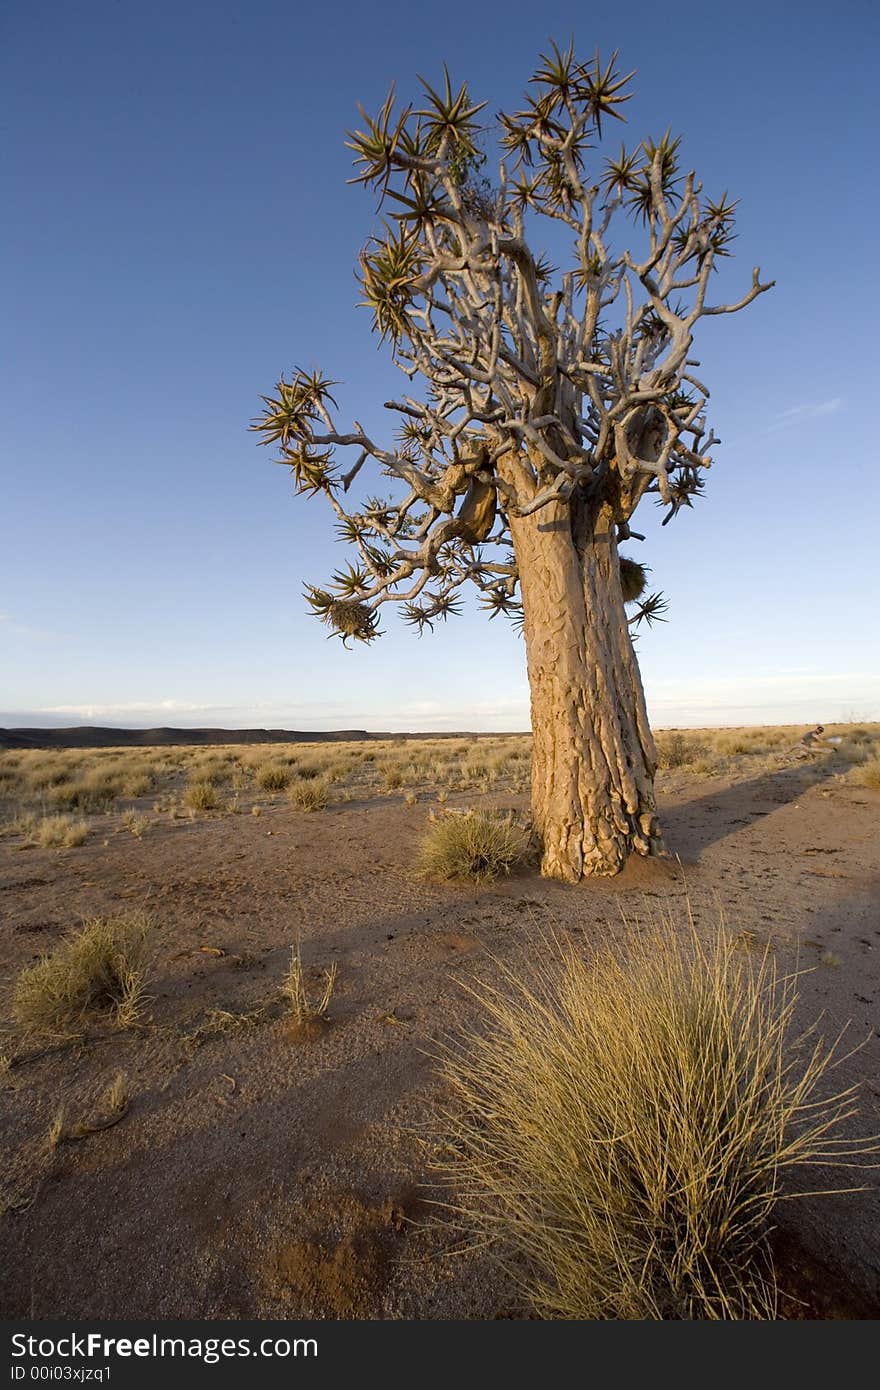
347 618
536 385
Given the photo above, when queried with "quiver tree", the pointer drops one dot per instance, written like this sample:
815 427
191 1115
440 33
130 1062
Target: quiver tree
544 407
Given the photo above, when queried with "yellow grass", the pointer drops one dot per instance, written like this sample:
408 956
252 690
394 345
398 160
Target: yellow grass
90 781
472 844
135 824
202 796
624 1127
100 969
58 832
303 1007
272 777
867 774
309 795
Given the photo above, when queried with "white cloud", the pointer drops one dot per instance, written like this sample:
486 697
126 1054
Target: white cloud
133 707
813 411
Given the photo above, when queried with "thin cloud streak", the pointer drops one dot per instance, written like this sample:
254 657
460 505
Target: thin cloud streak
133 707
812 411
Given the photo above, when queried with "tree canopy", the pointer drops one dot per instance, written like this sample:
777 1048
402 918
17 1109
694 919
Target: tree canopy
582 380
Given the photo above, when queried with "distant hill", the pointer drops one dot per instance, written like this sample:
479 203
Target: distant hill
91 736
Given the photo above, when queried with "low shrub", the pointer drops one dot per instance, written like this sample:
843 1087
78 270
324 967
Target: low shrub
678 750
202 796
478 845
272 778
309 796
100 969
867 774
60 832
623 1125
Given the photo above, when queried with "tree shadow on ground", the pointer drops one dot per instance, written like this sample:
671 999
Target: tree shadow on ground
691 826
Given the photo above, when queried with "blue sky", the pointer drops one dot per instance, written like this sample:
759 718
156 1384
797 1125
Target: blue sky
178 230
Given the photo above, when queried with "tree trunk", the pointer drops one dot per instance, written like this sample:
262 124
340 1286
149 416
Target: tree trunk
593 758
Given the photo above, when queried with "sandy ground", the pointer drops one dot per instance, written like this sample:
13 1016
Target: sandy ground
260 1175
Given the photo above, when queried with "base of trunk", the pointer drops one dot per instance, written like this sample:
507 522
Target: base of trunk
597 843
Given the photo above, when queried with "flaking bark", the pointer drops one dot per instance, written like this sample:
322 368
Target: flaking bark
593 759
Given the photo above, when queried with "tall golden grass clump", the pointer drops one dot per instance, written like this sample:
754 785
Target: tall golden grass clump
624 1127
202 796
100 969
309 795
867 774
271 777
59 832
478 845
676 749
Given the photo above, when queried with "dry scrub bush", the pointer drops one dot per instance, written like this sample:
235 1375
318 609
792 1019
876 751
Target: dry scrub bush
309 795
201 796
215 772
304 1009
272 778
93 793
677 750
138 784
735 742
867 774
623 1128
57 832
859 734
136 825
475 772
21 823
478 845
99 969
43 777
11 781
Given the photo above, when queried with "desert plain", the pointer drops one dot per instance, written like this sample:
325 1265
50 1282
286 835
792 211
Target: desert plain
212 1159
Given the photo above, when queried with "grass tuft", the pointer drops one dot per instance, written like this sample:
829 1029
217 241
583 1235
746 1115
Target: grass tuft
272 778
867 774
677 750
100 969
306 1011
59 832
623 1127
202 796
477 845
135 824
309 796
